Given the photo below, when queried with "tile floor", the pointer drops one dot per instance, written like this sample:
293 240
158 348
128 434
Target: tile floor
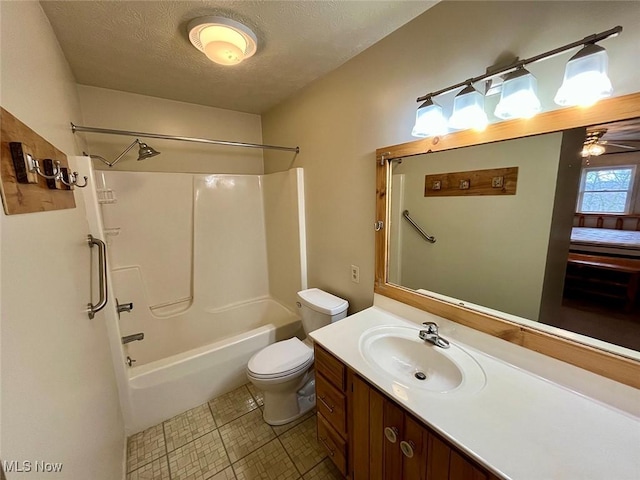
226 439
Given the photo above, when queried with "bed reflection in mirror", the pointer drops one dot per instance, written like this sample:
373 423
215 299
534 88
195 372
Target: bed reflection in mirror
563 250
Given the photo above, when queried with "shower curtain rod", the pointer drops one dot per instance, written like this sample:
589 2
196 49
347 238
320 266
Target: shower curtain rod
79 128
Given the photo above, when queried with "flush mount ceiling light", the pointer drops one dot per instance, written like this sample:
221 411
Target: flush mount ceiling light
222 40
430 120
518 98
585 82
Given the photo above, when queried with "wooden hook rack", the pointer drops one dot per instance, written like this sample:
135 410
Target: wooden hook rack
19 197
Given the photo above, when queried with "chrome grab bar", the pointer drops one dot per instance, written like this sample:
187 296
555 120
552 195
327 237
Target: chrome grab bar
428 238
102 273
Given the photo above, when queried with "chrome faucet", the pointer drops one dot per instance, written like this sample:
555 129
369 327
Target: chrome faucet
124 307
431 335
132 338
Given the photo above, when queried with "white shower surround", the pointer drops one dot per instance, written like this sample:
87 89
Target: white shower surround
196 346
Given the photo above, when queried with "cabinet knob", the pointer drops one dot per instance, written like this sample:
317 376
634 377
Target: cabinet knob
407 448
391 433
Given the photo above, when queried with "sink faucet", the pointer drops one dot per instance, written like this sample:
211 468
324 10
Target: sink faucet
132 338
431 335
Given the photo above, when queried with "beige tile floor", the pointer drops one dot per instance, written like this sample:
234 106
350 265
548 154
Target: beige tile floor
227 439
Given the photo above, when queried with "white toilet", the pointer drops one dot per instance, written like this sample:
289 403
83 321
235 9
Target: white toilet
284 370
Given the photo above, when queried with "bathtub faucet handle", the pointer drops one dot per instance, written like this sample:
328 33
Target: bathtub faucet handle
124 307
136 337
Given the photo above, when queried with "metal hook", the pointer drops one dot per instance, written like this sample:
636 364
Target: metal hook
74 180
34 167
66 174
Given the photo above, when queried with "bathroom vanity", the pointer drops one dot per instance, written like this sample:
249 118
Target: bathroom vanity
486 409
386 440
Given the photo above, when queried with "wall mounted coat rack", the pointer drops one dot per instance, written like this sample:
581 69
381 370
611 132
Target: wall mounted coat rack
34 174
493 181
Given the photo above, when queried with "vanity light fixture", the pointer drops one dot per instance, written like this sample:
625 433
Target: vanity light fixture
222 40
586 78
585 82
430 120
519 96
468 110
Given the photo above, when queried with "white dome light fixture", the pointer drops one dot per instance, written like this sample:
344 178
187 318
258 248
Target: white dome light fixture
222 40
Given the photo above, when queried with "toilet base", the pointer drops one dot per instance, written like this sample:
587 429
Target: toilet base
284 407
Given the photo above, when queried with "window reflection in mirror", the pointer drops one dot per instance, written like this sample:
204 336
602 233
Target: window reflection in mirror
564 250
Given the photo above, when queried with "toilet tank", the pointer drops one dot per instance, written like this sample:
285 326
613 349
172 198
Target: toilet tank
319 308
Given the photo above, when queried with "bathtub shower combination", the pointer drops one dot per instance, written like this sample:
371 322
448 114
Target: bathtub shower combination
211 264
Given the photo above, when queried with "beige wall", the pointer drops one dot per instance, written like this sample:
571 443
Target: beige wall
283 195
369 102
59 397
140 113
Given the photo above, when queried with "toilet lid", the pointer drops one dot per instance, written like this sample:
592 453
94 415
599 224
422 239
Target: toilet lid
280 357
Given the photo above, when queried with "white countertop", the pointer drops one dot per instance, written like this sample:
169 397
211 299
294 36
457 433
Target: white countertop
519 425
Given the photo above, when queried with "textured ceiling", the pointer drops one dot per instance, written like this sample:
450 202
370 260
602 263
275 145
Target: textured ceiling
143 47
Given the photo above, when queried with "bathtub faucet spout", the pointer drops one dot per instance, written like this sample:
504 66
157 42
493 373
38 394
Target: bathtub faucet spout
132 338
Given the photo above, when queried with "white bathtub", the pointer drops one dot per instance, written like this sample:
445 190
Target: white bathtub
210 362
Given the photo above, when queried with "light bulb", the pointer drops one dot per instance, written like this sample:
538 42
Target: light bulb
224 53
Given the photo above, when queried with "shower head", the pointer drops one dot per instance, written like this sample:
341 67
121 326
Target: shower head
146 151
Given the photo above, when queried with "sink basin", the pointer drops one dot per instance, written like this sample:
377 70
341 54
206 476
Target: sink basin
400 354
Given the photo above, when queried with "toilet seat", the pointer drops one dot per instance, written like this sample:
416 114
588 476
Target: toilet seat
281 359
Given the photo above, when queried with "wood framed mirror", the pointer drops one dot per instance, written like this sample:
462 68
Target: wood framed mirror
567 128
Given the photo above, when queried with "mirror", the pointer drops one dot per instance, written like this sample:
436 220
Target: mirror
517 265
492 248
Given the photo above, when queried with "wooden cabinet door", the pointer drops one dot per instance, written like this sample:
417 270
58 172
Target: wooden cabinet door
406 457
461 469
414 450
385 443
444 463
366 438
359 418
438 456
393 431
